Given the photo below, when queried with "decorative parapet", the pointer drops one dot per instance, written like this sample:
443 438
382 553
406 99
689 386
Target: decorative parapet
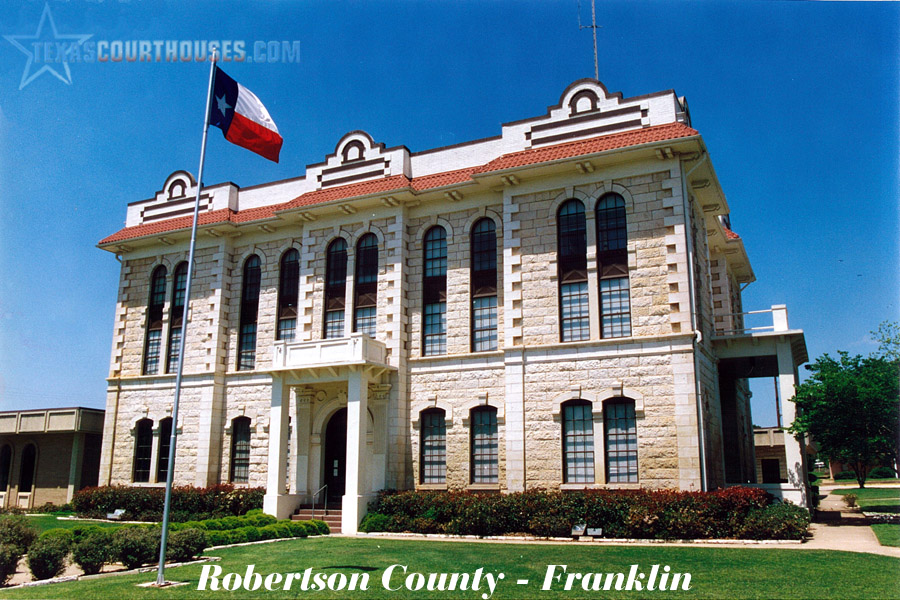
357 349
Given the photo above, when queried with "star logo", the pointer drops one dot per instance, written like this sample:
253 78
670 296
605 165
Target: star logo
39 40
223 106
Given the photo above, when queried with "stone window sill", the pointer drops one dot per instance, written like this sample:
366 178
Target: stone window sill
483 487
432 487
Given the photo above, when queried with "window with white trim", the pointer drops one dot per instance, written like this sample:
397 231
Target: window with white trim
365 288
434 285
612 267
433 447
335 288
575 322
578 442
249 314
483 276
485 445
620 428
155 304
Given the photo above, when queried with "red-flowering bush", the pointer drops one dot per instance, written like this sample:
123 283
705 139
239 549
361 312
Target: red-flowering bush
662 514
146 504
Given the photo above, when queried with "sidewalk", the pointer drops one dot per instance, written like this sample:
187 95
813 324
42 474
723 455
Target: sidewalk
849 530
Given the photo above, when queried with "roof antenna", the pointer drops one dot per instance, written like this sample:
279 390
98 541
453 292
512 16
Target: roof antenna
594 27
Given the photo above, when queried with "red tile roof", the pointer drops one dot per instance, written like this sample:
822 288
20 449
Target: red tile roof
397 183
603 143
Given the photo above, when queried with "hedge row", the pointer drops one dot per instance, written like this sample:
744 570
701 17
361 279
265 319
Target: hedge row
146 504
91 546
736 512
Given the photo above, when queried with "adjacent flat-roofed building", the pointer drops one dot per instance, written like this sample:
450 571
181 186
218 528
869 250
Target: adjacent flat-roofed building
558 306
46 455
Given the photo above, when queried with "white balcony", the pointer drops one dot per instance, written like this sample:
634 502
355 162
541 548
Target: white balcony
358 349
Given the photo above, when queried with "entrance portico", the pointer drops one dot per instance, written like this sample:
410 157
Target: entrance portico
773 351
317 372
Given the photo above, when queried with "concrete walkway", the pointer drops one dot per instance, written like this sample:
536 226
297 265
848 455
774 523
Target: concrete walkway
842 528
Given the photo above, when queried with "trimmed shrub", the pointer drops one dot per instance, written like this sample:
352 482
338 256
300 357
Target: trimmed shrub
217 538
92 549
320 526
882 473
65 535
850 500
47 556
298 528
16 531
185 545
188 502
80 532
49 507
843 475
9 560
784 521
135 546
660 514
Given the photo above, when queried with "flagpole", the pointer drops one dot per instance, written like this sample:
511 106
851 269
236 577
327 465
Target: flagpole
160 577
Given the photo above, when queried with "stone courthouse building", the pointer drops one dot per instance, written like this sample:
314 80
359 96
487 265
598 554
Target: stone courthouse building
555 307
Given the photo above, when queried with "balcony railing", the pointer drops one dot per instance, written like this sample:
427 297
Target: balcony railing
357 349
737 322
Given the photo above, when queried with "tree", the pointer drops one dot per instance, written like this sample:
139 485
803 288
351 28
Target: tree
851 408
888 337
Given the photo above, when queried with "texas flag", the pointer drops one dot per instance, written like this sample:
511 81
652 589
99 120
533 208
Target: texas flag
243 118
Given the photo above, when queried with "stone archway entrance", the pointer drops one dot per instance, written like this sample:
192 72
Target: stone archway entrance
335 466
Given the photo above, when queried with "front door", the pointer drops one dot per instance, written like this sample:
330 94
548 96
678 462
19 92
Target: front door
336 455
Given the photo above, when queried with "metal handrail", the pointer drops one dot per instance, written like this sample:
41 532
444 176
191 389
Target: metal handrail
325 503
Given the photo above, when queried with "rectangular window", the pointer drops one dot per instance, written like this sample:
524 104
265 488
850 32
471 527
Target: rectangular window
578 443
615 307
434 447
366 320
174 348
143 449
334 324
621 443
435 328
165 443
240 450
485 444
576 322
154 347
247 350
287 329
484 323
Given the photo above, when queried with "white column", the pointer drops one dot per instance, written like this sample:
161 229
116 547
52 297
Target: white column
793 449
354 500
301 441
278 445
75 462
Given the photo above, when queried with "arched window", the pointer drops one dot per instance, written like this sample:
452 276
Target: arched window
335 288
621 441
572 270
176 317
288 290
366 285
240 450
433 447
5 466
612 267
153 341
165 443
578 442
483 276
26 474
249 313
143 450
485 445
434 285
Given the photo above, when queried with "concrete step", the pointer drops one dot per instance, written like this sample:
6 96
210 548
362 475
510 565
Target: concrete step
333 518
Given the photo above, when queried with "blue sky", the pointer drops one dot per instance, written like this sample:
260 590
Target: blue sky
797 102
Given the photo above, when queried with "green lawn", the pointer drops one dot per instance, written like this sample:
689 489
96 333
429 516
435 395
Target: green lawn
888 533
49 521
763 572
875 499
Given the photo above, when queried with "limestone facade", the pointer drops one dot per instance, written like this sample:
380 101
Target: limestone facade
682 263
